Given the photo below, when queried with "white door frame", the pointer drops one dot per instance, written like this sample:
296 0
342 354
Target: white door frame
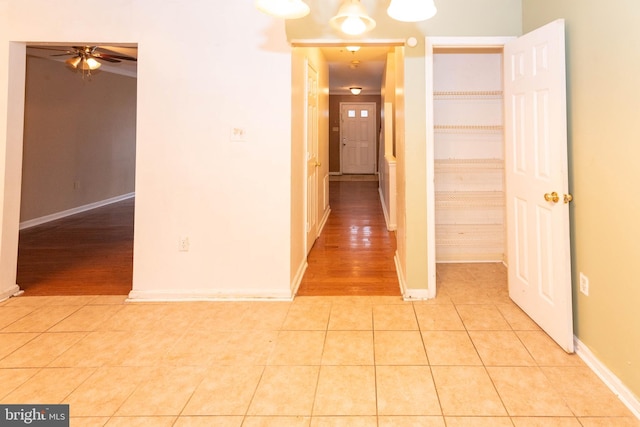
430 44
375 141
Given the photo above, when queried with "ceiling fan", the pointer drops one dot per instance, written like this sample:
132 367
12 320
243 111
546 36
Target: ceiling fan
87 58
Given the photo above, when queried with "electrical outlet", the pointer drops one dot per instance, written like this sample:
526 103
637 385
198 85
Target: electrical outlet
183 244
584 284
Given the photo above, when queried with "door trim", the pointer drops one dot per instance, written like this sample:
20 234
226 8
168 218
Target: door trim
311 232
375 117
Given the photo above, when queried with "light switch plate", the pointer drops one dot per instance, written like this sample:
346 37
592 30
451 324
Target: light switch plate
238 134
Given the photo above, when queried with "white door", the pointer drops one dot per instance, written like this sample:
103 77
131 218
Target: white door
536 180
358 137
312 156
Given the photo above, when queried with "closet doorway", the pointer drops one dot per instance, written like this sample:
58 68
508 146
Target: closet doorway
535 171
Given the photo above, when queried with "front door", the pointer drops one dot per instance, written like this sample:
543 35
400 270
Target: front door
537 180
358 137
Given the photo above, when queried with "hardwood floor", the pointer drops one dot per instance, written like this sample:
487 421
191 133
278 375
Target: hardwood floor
90 253
354 254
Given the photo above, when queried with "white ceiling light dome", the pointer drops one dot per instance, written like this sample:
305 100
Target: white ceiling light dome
352 18
287 9
412 10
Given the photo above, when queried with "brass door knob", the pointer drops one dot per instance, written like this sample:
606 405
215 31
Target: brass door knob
552 197
568 198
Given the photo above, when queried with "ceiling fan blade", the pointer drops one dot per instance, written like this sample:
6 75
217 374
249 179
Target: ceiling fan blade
115 58
105 58
65 54
49 48
130 52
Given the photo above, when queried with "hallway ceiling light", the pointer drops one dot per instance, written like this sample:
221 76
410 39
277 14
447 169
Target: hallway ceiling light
352 18
411 10
355 90
353 49
287 9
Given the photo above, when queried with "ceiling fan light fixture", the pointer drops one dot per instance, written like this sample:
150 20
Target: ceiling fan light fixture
352 18
73 62
411 10
287 9
89 64
355 90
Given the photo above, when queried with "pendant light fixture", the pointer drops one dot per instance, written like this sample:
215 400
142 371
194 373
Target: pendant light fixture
287 9
352 18
411 10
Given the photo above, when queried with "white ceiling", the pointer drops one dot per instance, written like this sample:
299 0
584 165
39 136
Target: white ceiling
363 68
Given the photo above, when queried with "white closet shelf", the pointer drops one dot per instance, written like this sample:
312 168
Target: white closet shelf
455 257
468 128
469 199
453 165
490 235
468 94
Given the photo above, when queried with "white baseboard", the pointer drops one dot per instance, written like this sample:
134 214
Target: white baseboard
409 294
387 220
12 291
323 221
205 295
297 279
58 215
415 295
609 378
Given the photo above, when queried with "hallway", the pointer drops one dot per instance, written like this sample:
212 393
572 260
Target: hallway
354 253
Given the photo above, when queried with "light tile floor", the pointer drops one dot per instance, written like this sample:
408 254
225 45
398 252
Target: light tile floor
470 357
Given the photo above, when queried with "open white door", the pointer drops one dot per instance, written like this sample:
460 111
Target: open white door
536 180
313 161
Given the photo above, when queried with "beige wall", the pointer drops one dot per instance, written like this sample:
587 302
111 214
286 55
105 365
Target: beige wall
77 131
334 122
232 199
603 102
